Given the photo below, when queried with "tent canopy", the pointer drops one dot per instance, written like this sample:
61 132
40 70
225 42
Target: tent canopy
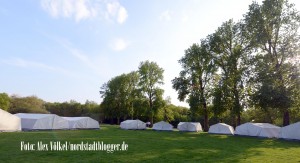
133 125
42 121
189 126
221 128
162 126
291 131
9 122
82 123
258 129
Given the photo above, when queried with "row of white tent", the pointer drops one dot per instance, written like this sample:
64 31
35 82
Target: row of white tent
26 121
247 129
291 131
160 126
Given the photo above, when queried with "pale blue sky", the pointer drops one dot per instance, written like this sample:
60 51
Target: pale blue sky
61 50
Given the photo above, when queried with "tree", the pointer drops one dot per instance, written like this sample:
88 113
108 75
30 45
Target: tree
133 92
194 79
54 108
230 46
4 101
166 112
92 107
274 25
119 96
151 76
114 97
219 104
30 104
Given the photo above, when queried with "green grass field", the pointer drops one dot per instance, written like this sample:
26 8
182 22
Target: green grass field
149 146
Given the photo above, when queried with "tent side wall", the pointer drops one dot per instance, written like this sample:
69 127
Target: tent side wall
140 125
82 123
43 123
9 122
241 129
163 126
59 123
27 124
258 129
189 126
93 124
133 125
290 132
220 128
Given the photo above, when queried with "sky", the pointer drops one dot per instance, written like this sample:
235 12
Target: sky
62 50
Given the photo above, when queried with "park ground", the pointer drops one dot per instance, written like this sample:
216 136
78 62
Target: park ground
148 146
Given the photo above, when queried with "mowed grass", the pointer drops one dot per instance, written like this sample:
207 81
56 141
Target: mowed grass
149 146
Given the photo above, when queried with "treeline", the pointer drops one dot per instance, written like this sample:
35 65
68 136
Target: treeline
32 104
244 71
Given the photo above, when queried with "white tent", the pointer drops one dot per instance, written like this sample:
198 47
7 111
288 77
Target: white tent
258 129
82 123
291 131
221 128
133 125
163 126
189 126
9 122
42 121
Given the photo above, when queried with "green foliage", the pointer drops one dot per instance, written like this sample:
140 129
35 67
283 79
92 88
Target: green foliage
274 26
30 104
133 95
171 113
4 101
219 106
230 46
193 80
92 107
262 116
257 65
114 95
76 109
151 77
67 109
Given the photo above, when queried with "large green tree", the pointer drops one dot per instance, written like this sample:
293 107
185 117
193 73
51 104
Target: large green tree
120 95
230 46
114 97
193 81
274 25
151 77
133 92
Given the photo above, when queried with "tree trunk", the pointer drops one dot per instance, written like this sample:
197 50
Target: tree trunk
118 120
206 126
238 119
233 121
151 120
151 110
286 118
237 107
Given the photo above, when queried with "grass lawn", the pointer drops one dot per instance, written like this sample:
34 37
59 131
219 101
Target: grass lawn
149 146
